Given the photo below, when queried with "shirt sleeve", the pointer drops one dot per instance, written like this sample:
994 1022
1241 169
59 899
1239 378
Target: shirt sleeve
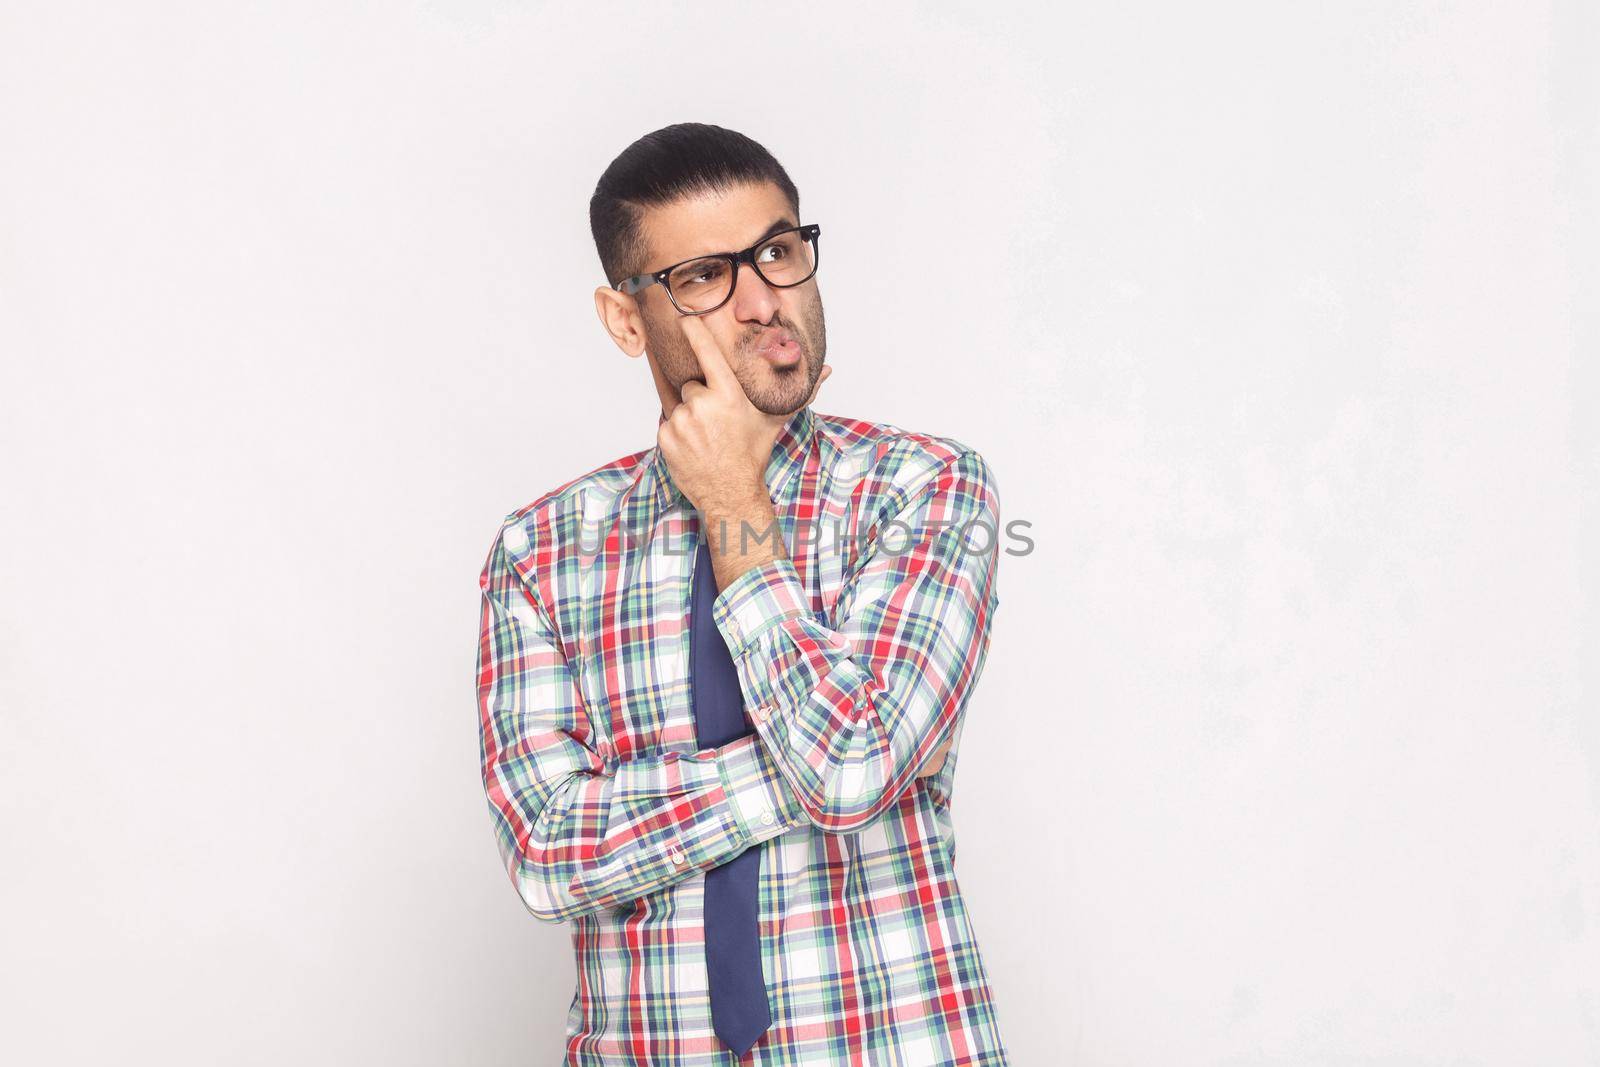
579 832
851 711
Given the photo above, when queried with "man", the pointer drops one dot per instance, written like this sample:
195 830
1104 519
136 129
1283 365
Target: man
718 679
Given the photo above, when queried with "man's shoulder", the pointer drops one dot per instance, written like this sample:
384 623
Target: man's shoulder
537 520
607 479
893 457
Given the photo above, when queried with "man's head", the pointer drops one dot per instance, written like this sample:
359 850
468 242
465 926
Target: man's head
690 190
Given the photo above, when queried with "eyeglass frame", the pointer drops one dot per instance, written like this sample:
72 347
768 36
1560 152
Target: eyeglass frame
638 282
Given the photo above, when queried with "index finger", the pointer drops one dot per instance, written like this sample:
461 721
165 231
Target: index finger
713 364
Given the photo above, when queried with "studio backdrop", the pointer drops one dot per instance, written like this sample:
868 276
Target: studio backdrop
1275 323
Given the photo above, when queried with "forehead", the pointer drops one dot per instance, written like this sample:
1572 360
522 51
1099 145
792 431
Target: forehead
723 221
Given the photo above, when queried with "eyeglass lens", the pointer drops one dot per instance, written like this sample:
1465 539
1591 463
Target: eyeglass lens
702 284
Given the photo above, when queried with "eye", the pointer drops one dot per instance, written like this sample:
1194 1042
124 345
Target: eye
704 272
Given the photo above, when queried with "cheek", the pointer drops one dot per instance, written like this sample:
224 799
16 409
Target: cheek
674 354
808 317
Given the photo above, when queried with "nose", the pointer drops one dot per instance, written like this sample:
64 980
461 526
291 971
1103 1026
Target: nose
752 297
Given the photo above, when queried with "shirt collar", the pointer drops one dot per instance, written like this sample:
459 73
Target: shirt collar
657 491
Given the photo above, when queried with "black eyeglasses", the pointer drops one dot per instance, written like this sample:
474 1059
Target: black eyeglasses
701 285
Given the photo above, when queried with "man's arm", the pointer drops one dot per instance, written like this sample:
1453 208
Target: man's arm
852 713
578 833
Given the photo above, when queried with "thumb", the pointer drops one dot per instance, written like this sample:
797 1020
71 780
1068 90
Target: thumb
815 389
775 423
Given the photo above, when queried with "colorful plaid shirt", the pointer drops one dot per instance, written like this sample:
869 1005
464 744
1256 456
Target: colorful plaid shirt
857 654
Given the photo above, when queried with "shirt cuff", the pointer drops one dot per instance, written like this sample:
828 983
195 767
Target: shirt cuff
757 600
758 793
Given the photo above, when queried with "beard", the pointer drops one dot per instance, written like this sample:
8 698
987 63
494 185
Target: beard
780 390
771 389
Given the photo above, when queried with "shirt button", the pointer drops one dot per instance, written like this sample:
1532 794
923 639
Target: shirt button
516 539
677 854
767 817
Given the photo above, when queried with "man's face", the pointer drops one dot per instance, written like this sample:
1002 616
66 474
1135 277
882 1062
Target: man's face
753 315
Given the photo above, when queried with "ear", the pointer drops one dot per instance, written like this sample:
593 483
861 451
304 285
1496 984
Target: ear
620 317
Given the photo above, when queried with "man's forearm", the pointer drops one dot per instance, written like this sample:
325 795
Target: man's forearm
853 702
735 549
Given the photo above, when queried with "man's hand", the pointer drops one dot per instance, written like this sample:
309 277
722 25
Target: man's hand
936 761
716 445
715 442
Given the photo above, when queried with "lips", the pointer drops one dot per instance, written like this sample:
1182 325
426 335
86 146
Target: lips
777 343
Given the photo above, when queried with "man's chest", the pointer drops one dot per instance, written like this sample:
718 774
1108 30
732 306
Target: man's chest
619 595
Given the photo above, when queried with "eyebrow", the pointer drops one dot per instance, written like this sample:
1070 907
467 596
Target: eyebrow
780 224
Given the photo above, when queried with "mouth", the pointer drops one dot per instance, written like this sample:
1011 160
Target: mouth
779 348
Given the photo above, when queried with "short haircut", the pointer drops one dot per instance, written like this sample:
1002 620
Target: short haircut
674 162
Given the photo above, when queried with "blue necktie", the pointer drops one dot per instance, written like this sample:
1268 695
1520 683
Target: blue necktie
740 1013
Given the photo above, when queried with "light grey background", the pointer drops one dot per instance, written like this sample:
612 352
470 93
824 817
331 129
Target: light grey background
1275 320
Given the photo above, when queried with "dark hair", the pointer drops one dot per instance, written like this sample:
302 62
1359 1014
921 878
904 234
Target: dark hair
669 164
